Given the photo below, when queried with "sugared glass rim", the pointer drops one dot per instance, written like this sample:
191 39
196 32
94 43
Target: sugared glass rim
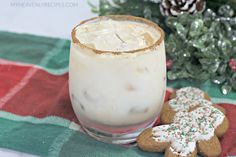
119 17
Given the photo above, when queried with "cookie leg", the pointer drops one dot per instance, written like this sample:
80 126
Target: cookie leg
209 147
170 153
146 142
222 128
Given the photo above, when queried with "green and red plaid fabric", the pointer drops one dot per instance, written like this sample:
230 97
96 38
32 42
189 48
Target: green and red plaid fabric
36 116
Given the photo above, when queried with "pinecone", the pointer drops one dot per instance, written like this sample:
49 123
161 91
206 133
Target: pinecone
176 7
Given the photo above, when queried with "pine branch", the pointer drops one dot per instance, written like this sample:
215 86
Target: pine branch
143 8
216 4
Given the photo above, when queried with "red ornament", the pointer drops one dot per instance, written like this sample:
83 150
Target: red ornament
233 68
169 63
232 64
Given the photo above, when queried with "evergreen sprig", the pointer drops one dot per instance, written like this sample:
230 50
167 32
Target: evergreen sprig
216 4
199 47
143 8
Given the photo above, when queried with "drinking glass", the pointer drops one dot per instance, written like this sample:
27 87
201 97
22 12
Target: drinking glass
117 76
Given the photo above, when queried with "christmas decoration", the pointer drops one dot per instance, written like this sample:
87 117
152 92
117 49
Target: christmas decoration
169 63
232 65
216 4
144 8
200 46
176 7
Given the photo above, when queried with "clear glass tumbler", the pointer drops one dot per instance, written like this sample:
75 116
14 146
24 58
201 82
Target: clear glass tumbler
117 76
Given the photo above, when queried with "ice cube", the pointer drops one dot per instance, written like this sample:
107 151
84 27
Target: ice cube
147 38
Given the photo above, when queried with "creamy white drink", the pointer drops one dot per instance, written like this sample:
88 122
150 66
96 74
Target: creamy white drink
117 75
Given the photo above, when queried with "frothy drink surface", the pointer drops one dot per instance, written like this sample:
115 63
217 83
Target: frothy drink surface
112 35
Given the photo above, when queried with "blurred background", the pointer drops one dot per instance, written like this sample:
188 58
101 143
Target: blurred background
54 18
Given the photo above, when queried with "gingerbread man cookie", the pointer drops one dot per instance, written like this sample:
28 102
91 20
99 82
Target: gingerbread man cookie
190 133
185 99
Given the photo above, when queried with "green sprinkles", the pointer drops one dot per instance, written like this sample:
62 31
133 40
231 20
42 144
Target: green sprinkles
189 126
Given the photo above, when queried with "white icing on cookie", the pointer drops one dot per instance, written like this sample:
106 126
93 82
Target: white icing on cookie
189 127
210 120
184 104
190 92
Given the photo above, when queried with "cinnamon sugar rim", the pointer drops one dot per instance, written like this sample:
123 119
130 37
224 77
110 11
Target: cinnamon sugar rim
119 17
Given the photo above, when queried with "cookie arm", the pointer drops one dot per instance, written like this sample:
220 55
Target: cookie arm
167 114
220 108
222 128
146 142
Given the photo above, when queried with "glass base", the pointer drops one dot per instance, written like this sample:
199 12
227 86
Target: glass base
128 138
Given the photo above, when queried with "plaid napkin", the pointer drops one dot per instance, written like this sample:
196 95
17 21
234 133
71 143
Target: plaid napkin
36 116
